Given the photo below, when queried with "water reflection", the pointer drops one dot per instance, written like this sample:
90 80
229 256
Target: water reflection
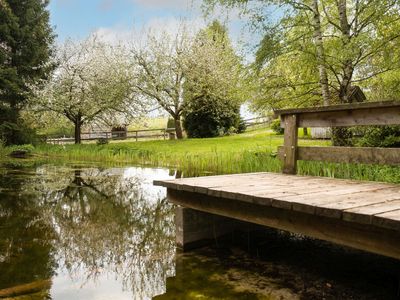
92 231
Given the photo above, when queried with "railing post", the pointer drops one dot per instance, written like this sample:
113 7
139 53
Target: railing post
136 136
290 144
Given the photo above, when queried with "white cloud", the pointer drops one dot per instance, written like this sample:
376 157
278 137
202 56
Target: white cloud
157 25
179 4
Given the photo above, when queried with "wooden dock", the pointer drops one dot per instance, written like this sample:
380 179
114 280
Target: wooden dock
362 215
359 214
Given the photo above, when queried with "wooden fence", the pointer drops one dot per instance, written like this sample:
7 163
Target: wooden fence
158 133
357 114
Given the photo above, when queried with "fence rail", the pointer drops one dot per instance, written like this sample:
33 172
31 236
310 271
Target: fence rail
356 114
257 121
163 133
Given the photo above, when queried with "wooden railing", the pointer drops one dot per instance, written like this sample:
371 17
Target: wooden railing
358 114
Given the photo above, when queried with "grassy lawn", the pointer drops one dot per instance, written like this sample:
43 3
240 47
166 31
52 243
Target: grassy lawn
253 151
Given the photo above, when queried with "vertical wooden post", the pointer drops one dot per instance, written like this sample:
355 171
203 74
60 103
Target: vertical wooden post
136 136
290 144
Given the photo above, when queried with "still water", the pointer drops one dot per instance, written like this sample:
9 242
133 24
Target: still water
82 232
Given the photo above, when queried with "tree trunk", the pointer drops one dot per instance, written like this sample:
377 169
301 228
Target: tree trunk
323 76
178 128
78 124
347 67
342 136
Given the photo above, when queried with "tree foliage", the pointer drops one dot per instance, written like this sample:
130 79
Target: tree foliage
159 68
210 117
25 50
213 85
92 80
323 48
176 71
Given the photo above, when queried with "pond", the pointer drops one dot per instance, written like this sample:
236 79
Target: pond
84 232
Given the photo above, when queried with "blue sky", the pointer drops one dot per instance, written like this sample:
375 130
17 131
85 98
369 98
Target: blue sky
117 18
77 18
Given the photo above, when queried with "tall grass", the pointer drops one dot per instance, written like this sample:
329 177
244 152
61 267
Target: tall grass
250 152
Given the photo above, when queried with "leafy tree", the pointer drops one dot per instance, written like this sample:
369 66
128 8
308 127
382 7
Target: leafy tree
159 67
324 50
343 43
25 51
213 84
174 71
92 79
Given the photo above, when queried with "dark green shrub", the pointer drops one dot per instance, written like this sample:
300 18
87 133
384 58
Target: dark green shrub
276 126
379 136
18 134
242 126
210 117
102 141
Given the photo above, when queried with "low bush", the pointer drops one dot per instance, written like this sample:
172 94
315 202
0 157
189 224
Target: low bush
276 126
210 117
378 136
18 134
102 141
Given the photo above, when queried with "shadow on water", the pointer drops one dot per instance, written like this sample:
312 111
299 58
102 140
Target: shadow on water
271 264
84 232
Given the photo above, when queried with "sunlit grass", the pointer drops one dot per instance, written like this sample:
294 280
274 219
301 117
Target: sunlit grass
253 151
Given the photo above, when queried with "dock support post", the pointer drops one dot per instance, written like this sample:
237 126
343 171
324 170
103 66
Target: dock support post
290 144
196 228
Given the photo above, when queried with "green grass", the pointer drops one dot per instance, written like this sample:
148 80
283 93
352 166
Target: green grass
253 151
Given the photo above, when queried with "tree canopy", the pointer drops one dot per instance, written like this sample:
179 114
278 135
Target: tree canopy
25 57
92 79
320 51
213 89
176 70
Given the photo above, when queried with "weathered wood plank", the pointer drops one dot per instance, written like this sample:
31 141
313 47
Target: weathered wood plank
389 220
209 180
327 203
290 145
364 214
352 201
344 118
378 116
366 155
340 107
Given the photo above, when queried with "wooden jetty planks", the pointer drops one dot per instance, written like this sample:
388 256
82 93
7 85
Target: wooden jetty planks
331 203
390 220
353 201
365 214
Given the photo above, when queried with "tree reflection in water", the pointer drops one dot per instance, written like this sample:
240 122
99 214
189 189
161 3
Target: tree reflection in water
26 241
106 221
